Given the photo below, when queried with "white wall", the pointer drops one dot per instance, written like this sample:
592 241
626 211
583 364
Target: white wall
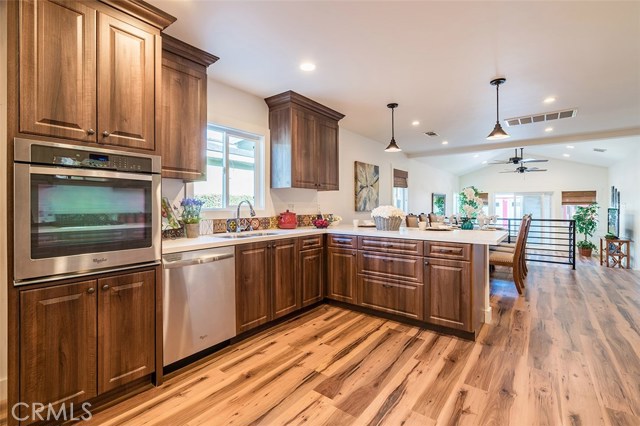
625 176
234 108
561 176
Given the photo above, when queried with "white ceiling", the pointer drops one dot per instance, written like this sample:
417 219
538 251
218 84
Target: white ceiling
435 59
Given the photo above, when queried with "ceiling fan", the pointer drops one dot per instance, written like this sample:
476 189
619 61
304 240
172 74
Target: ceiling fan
518 159
523 169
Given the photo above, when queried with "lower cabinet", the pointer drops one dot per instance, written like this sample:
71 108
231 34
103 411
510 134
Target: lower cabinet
266 283
395 297
448 293
82 339
342 274
311 275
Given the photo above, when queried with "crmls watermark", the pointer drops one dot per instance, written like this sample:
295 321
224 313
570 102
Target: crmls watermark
36 411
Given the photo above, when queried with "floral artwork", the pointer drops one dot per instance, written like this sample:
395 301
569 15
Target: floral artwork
169 220
470 202
367 186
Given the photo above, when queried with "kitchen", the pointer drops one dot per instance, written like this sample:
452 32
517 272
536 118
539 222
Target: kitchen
236 109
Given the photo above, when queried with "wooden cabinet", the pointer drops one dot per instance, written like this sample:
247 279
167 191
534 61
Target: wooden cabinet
311 275
391 245
267 286
448 293
285 283
341 274
253 292
87 72
395 297
126 306
83 339
58 344
304 143
389 266
182 127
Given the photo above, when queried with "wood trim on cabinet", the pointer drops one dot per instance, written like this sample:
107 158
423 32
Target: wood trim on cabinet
296 98
342 241
143 11
451 251
311 242
184 50
404 268
395 297
391 245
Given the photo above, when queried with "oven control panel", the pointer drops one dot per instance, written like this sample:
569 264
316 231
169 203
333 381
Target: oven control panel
59 156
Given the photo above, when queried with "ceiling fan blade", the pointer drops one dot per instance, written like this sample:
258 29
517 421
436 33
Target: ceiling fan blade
532 160
535 170
499 162
515 171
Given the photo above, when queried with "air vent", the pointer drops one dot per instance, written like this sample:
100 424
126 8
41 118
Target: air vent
599 150
538 118
431 133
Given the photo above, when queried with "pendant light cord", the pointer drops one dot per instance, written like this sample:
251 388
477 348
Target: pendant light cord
392 125
497 103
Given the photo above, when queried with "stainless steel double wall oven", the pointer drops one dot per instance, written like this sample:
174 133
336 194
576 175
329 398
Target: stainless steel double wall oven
80 210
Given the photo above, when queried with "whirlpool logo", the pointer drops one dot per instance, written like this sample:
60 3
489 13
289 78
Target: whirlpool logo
99 260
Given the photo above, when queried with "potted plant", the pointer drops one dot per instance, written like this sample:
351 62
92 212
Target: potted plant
191 216
586 223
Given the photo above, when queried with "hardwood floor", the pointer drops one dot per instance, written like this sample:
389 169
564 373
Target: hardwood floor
565 353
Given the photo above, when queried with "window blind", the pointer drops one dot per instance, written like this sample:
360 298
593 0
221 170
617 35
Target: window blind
400 179
574 198
484 196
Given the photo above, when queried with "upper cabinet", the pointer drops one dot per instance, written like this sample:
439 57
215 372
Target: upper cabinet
304 143
87 71
182 126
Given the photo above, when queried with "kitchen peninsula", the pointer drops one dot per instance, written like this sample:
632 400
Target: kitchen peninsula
430 278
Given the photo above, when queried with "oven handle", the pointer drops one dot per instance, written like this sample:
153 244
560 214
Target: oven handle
88 173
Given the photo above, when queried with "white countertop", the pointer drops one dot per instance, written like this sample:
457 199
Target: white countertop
218 240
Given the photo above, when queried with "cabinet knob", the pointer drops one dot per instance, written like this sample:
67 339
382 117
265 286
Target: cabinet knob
353 254
91 132
105 287
105 133
91 290
426 262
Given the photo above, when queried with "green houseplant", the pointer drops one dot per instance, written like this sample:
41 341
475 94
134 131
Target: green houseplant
586 223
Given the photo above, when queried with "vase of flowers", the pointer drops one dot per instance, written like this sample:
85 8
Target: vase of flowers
387 218
470 205
190 216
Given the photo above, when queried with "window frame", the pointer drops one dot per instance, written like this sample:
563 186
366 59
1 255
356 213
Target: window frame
259 167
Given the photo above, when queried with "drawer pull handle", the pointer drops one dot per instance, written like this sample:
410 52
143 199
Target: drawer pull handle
387 286
387 260
448 251
91 290
341 240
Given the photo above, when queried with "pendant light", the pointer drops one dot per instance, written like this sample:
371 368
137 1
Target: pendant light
497 132
393 146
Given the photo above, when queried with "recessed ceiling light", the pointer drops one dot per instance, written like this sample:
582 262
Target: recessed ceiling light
484 162
570 146
566 155
476 156
548 129
549 100
415 123
445 142
307 66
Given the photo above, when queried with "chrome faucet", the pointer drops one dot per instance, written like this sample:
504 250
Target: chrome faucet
252 212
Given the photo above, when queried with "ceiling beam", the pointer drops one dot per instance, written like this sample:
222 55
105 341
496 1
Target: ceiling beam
553 140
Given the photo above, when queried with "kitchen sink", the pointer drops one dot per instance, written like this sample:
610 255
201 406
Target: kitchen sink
239 235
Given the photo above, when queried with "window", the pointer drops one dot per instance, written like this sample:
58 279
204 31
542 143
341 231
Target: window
401 189
573 199
515 205
234 169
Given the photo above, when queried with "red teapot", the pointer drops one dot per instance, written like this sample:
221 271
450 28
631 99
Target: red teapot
287 220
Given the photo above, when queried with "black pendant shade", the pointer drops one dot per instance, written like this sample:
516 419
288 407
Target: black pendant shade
498 132
393 146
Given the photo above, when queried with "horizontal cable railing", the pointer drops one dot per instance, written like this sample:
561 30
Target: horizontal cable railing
549 240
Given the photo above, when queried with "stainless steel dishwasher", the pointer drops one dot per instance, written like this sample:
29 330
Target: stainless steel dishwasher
199 301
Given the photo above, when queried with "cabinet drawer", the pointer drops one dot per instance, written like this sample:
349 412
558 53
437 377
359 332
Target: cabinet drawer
398 298
343 241
310 242
391 245
389 266
453 251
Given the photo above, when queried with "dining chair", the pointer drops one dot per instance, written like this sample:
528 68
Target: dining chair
424 217
412 220
515 258
510 247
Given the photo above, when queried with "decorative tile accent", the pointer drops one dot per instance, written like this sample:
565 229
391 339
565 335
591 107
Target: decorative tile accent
254 223
265 223
219 225
232 225
206 227
273 222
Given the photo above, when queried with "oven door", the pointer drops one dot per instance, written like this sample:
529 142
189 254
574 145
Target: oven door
73 221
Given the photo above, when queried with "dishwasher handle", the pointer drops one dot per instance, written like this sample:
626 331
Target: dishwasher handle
196 261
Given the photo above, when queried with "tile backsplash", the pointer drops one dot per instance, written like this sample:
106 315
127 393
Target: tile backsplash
215 226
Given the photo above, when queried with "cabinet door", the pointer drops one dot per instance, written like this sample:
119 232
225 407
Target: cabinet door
58 344
58 69
342 274
304 152
327 155
126 84
252 285
182 133
285 284
448 297
312 275
126 325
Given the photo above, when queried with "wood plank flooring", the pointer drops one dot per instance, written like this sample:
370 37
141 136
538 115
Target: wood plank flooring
565 353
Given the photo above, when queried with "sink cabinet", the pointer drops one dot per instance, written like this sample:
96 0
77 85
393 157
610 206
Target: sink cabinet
304 143
87 71
83 339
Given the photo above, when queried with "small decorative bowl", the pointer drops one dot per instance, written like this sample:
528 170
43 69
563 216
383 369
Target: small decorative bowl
320 223
335 223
